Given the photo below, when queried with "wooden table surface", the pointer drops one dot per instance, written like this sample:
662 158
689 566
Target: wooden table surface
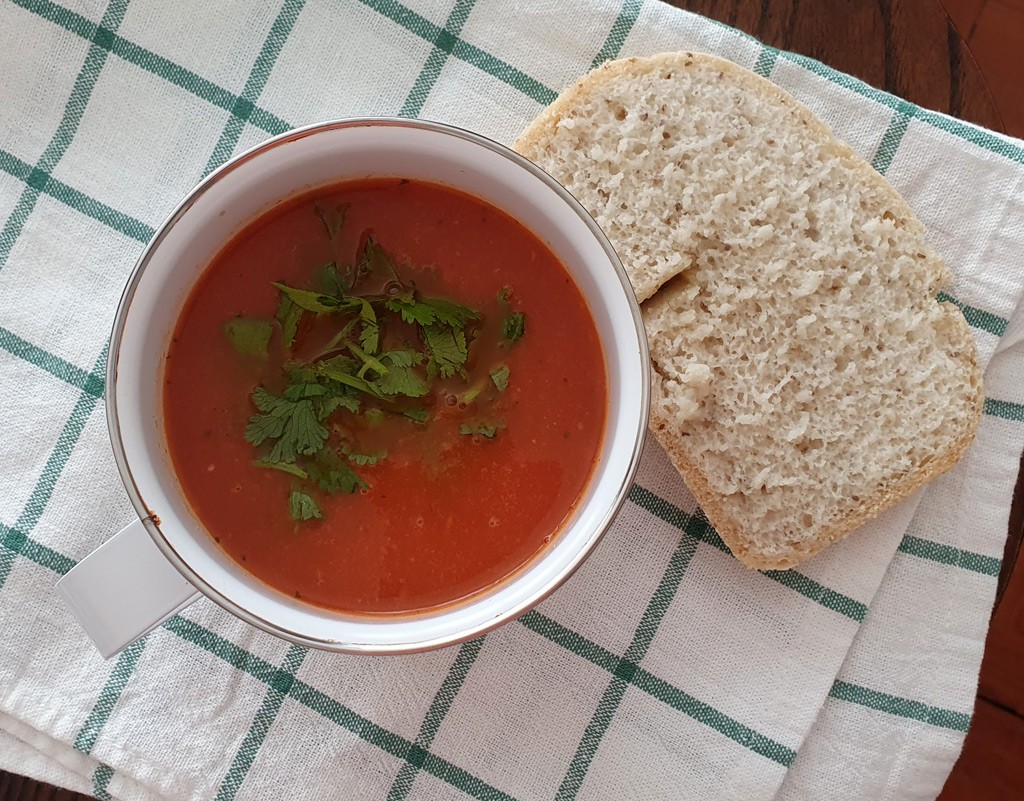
910 48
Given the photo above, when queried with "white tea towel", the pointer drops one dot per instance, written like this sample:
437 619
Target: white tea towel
663 669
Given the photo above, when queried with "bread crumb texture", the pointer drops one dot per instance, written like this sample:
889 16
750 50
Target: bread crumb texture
805 376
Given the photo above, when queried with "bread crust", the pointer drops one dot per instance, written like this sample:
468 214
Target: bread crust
531 142
883 499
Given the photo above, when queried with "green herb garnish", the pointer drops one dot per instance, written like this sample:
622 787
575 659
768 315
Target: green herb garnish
249 337
302 506
363 459
293 420
402 376
500 377
486 430
282 466
389 347
288 315
514 325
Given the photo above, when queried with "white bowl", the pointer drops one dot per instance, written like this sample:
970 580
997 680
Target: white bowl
228 199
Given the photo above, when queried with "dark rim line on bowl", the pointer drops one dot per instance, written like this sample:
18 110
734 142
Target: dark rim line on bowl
147 516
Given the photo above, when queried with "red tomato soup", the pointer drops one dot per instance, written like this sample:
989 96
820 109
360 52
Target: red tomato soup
384 396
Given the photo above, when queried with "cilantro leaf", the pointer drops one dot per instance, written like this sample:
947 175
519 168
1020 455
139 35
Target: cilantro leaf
271 424
410 309
288 315
514 327
449 313
342 479
370 335
430 311
325 407
447 346
249 337
333 474
363 459
292 421
282 466
354 367
264 401
486 430
500 377
402 358
333 283
297 392
299 373
302 507
343 370
315 301
401 377
340 364
302 434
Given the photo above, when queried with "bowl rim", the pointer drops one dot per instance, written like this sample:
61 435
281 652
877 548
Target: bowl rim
152 524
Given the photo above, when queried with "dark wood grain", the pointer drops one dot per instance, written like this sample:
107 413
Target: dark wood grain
908 47
990 767
912 49
18 788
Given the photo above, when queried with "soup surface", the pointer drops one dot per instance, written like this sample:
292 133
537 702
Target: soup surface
384 396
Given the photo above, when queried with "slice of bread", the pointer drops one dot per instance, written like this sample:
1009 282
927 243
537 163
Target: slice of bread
805 376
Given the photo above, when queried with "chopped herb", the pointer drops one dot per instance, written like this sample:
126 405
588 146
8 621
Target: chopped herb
448 351
332 282
249 337
370 335
301 391
333 474
325 407
339 341
486 430
471 394
514 327
315 301
363 459
302 507
428 311
500 377
369 358
292 423
283 467
288 315
401 377
345 371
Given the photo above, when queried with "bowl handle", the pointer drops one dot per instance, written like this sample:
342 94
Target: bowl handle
124 589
